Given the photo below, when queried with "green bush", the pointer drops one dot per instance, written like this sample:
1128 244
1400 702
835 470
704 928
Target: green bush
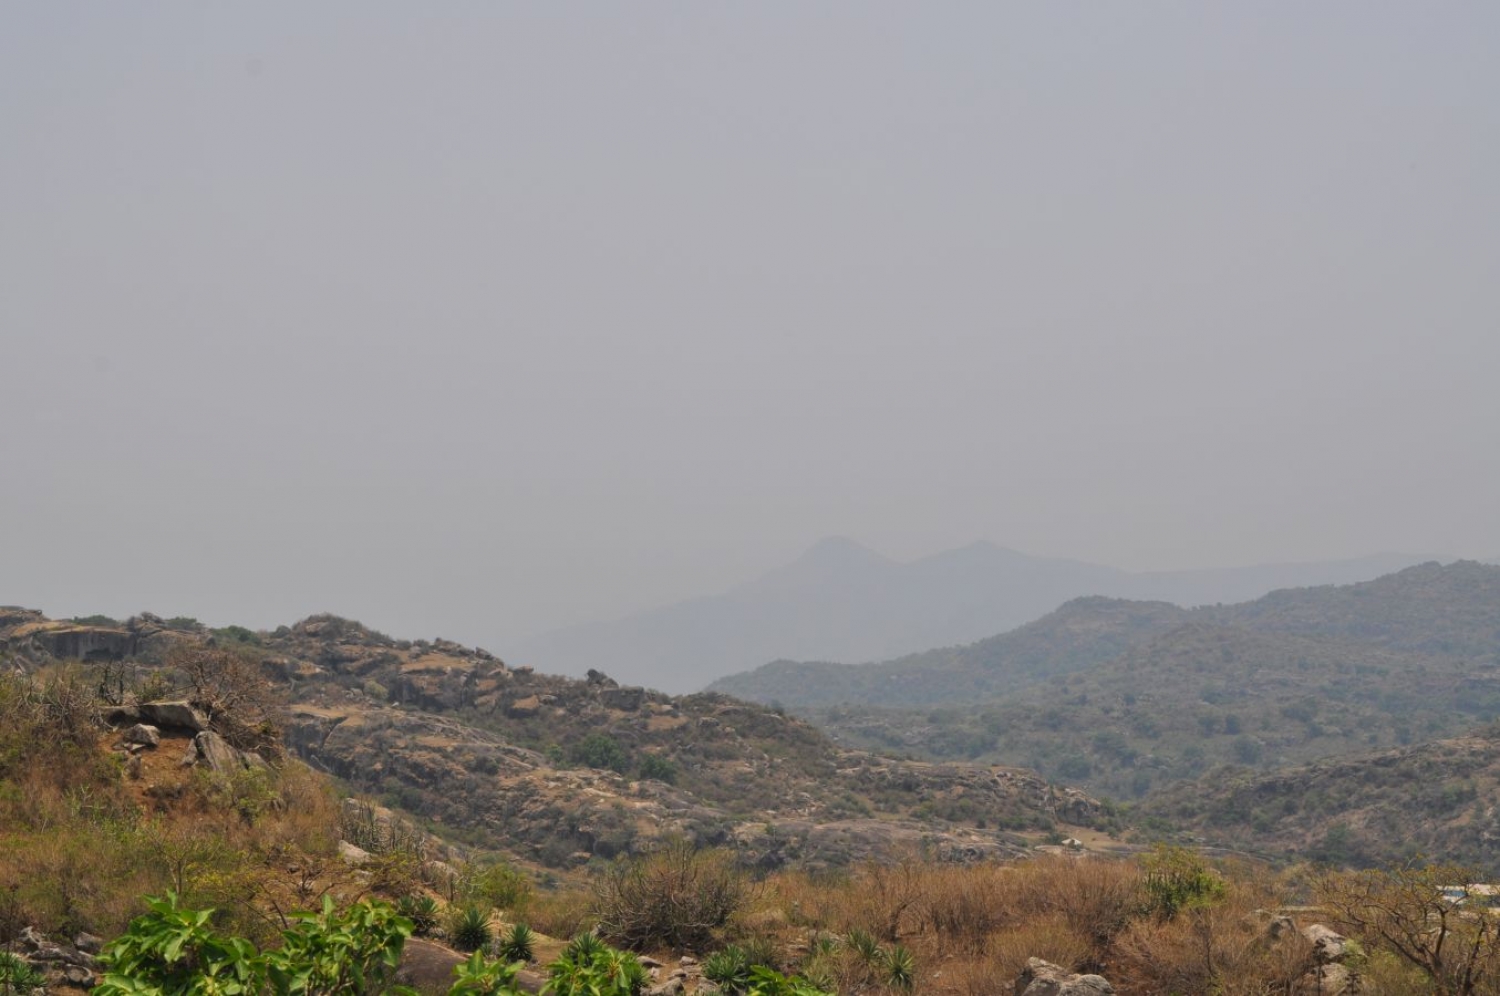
477 977
588 967
172 951
769 982
1177 880
597 750
494 885
658 768
237 634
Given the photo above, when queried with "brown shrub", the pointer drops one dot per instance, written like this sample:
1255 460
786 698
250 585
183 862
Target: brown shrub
1050 937
680 897
565 913
963 906
1223 948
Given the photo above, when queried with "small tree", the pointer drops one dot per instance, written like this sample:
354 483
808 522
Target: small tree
231 689
1423 915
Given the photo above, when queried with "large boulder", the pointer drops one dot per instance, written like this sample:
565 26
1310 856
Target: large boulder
1329 945
211 749
1042 978
141 733
178 715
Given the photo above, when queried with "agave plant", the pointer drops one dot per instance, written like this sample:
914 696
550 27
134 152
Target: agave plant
900 967
518 944
865 946
422 911
728 968
18 978
584 949
469 929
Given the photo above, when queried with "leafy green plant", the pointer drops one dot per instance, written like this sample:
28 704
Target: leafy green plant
477 977
469 928
588 967
865 946
353 951
584 947
769 982
518 944
18 978
171 951
761 950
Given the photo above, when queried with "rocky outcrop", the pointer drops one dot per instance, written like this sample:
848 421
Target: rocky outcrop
466 741
1328 945
71 964
1042 978
1329 975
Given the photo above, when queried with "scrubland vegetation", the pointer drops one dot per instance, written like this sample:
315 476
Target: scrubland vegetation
90 831
83 845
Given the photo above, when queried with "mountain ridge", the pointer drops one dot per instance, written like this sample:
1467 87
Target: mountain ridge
841 601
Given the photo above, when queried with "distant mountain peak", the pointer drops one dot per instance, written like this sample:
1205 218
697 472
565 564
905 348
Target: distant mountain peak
840 549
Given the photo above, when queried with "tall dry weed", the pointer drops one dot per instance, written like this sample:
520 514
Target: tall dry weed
1223 948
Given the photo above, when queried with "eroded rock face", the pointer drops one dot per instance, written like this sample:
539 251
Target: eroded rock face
1042 978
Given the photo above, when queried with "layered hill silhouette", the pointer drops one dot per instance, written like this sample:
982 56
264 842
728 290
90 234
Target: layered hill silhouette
843 602
1124 697
1429 608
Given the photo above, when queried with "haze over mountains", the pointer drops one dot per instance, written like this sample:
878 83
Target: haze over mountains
1123 697
841 601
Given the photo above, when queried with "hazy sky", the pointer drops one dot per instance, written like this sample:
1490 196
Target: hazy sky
473 319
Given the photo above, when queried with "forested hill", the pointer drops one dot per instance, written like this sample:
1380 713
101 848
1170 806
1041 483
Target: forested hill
1450 610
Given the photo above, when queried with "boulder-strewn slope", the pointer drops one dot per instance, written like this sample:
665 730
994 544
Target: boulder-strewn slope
560 770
